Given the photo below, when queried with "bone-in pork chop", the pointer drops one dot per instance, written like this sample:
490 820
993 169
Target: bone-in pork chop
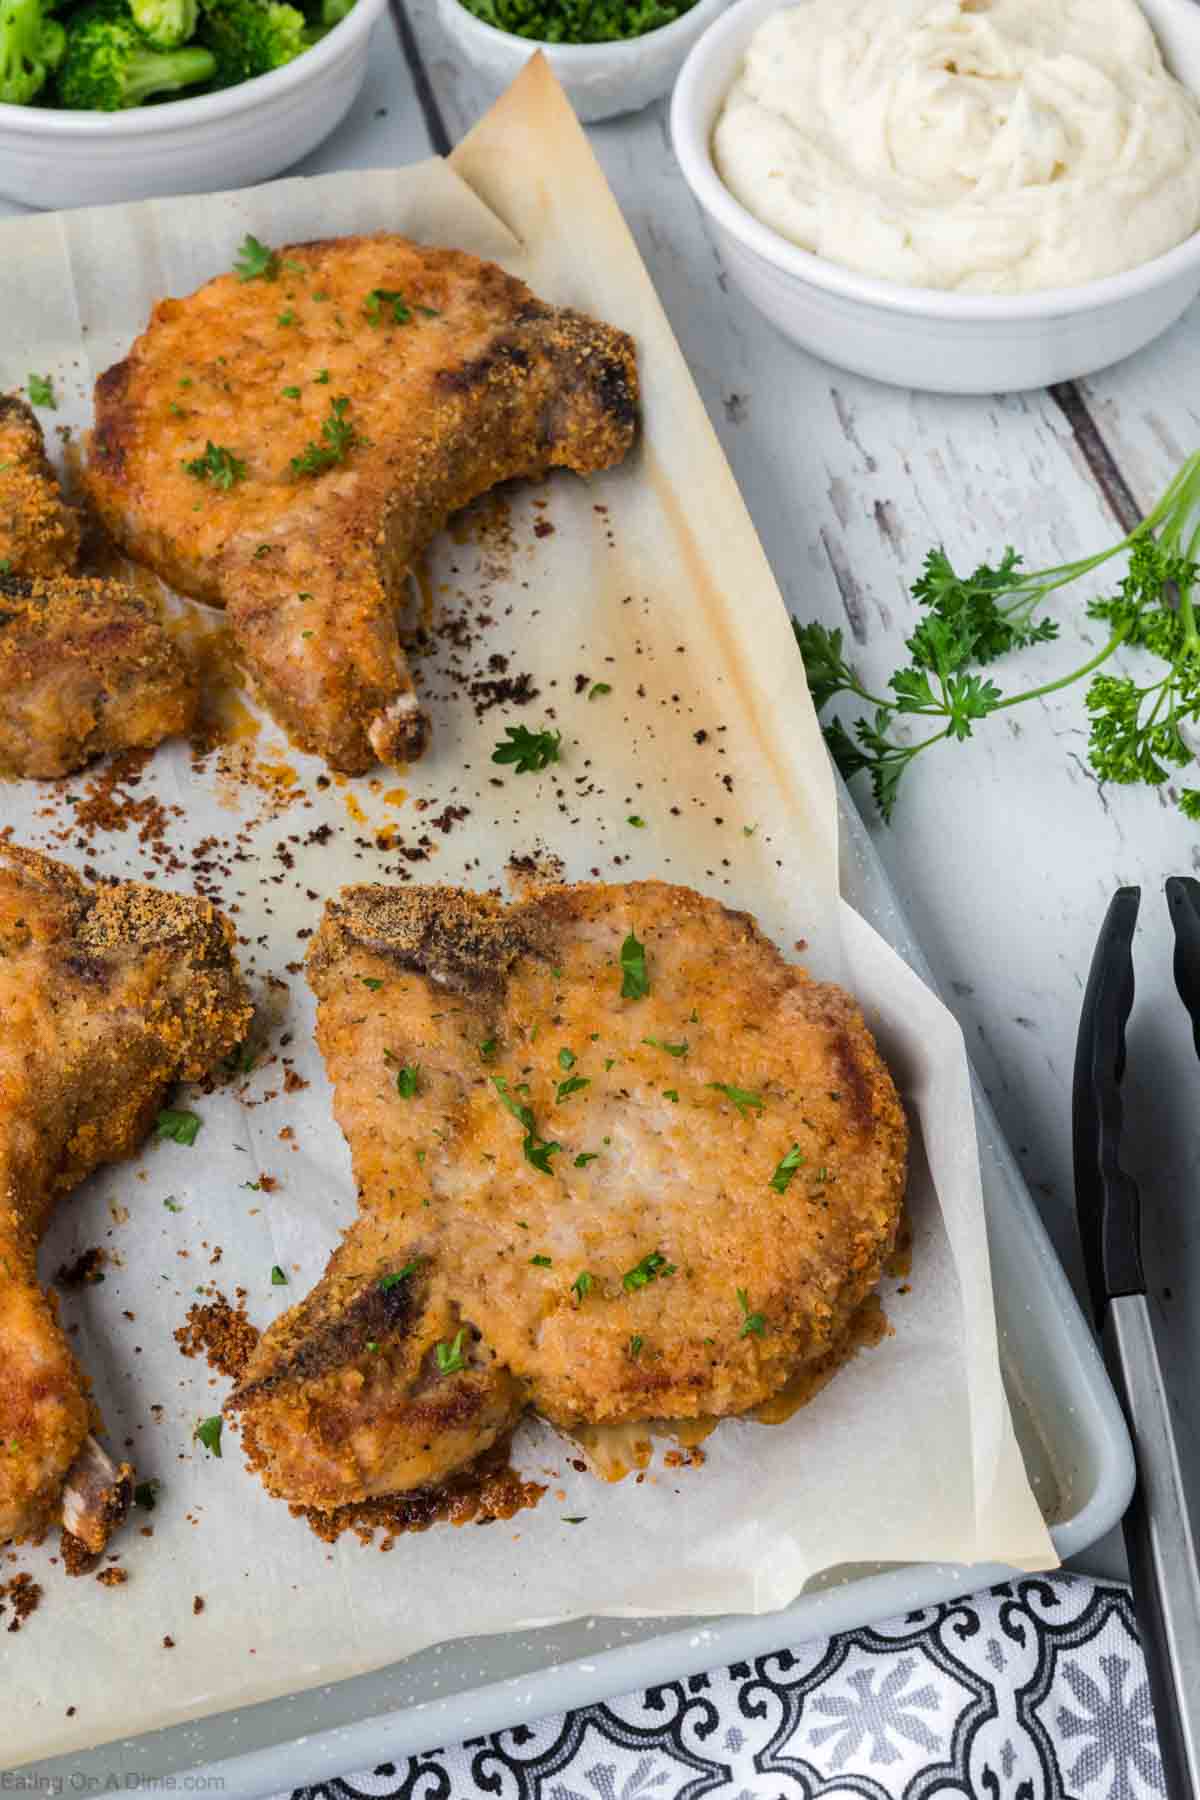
616 1160
107 996
286 445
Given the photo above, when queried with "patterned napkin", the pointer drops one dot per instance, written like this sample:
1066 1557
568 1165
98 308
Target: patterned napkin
1034 1690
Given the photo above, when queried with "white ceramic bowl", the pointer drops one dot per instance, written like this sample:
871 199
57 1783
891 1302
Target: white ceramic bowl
601 80
925 337
194 146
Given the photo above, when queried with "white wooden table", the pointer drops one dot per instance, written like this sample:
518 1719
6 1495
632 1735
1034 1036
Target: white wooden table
1004 851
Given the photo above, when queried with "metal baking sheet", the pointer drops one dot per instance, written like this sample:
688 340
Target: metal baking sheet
1066 1416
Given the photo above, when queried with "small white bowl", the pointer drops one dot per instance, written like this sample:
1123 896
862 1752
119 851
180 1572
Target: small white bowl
927 338
211 141
601 80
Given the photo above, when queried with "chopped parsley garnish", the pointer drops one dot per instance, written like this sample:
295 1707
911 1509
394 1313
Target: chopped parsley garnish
388 1282
538 1151
218 466
408 1081
172 1204
487 1049
371 981
635 1347
180 1127
321 377
450 1357
634 820
340 437
753 1323
278 1278
574 1518
428 312
291 393
541 1262
574 1084
598 688
288 317
209 1433
529 751
680 1049
585 1157
567 1059
145 1494
582 1286
742 1098
785 1169
635 983
41 392
671 1094
378 298
254 262
648 1270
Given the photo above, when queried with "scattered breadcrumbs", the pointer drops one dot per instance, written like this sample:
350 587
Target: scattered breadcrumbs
77 1559
197 1604
87 1269
168 1643
21 1596
219 1332
113 1577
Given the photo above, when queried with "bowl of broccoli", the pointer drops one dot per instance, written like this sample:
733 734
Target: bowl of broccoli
105 100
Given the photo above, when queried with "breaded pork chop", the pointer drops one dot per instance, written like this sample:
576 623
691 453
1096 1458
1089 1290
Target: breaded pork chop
86 667
39 532
616 1160
286 446
107 996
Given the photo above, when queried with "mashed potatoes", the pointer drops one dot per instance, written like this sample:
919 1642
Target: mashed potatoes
993 146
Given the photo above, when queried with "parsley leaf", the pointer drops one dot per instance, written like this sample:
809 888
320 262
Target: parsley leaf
254 262
145 1494
340 437
598 688
529 751
378 298
742 1098
450 1357
648 1270
638 823
582 1286
278 1278
585 1157
218 466
680 1049
408 1081
538 1150
388 1282
753 1323
574 1084
487 1049
635 983
41 392
208 1431
371 981
567 1059
541 1262
635 1347
785 1169
180 1127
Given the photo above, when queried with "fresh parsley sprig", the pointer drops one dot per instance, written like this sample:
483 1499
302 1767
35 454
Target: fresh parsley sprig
1137 728
340 436
529 751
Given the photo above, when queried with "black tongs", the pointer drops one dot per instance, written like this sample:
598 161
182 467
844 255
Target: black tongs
1158 1531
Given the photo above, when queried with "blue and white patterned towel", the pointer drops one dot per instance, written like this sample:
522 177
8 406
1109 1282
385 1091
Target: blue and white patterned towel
1035 1690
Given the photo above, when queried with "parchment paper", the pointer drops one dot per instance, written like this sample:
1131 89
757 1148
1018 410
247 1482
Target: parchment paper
652 581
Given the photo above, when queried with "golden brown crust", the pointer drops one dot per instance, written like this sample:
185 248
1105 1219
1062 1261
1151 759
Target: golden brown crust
107 996
86 667
476 382
652 1125
39 532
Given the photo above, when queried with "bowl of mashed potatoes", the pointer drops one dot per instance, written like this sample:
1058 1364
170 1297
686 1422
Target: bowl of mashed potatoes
964 196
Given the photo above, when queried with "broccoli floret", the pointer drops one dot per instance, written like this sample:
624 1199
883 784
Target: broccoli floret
31 46
250 37
165 23
109 64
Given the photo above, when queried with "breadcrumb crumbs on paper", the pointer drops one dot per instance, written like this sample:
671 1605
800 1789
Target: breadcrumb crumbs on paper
86 1269
197 1604
113 1577
292 1083
219 1332
21 1595
168 1643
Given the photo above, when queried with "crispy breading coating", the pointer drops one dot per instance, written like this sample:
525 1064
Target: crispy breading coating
618 1204
287 447
39 532
86 667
